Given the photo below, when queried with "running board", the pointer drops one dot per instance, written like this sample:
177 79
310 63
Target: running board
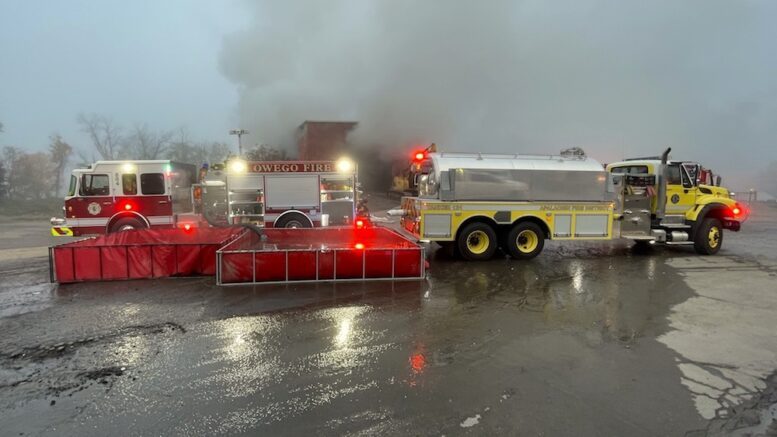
638 237
675 226
679 243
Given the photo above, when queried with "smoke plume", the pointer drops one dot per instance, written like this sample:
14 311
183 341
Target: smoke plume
613 77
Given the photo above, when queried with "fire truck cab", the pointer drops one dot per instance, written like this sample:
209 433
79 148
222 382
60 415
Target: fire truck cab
112 196
281 194
693 208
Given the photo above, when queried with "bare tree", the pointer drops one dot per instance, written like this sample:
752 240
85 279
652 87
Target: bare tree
29 175
60 155
84 158
182 149
10 158
33 176
146 144
217 152
3 182
267 153
105 135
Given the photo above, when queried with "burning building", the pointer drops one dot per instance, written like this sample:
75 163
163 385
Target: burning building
323 140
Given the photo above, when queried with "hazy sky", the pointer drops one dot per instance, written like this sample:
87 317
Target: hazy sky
616 77
136 61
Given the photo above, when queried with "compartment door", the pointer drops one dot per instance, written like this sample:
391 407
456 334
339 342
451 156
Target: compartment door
592 225
437 225
297 191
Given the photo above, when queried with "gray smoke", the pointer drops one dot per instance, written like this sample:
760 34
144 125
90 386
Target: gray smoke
613 77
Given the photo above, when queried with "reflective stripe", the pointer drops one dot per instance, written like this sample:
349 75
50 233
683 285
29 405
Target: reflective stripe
61 231
102 221
86 222
160 220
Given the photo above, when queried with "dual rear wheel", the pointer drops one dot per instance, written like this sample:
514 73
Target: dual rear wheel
478 241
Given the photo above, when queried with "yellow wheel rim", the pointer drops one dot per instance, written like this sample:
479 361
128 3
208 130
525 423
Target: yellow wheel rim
714 236
477 242
527 241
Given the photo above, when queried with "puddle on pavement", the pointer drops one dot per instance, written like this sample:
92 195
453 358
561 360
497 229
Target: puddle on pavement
297 357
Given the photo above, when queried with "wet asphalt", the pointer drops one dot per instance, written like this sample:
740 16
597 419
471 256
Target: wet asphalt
587 339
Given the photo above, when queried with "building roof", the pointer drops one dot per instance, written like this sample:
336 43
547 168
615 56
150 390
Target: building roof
351 124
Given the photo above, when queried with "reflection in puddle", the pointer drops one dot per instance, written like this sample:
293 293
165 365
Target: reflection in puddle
344 319
341 340
577 276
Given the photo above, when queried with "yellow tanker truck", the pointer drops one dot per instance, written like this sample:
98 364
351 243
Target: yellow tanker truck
475 203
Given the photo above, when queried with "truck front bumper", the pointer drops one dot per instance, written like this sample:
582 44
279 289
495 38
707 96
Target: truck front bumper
59 228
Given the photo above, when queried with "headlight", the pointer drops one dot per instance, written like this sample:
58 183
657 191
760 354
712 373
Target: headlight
345 165
237 166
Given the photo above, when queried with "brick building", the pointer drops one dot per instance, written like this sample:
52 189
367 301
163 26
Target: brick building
323 140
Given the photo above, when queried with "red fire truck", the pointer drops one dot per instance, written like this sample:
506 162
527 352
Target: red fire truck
285 194
111 196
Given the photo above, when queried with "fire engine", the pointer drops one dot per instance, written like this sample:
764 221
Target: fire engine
281 194
474 203
111 196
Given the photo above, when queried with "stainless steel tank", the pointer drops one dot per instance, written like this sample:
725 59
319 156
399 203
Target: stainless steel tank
499 177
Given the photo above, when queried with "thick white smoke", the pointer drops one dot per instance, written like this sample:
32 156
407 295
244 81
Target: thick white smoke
613 77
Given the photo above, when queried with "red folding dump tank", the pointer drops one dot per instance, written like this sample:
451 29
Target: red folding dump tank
146 253
319 254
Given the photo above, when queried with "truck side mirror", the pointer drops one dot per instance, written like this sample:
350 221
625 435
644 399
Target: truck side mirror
718 181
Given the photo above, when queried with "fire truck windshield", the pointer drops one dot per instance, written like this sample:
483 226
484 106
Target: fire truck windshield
72 190
95 185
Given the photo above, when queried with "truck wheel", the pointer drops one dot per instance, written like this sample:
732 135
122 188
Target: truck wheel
525 241
292 221
709 237
477 241
126 224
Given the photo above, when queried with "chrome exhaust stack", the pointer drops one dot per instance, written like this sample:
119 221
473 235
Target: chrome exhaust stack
661 176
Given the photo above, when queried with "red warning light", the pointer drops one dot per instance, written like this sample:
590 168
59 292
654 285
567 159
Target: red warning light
187 227
359 246
419 156
359 224
128 206
736 210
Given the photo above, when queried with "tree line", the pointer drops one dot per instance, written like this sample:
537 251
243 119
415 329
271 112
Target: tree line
40 175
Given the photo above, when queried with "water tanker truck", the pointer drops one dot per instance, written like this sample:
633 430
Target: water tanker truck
472 204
